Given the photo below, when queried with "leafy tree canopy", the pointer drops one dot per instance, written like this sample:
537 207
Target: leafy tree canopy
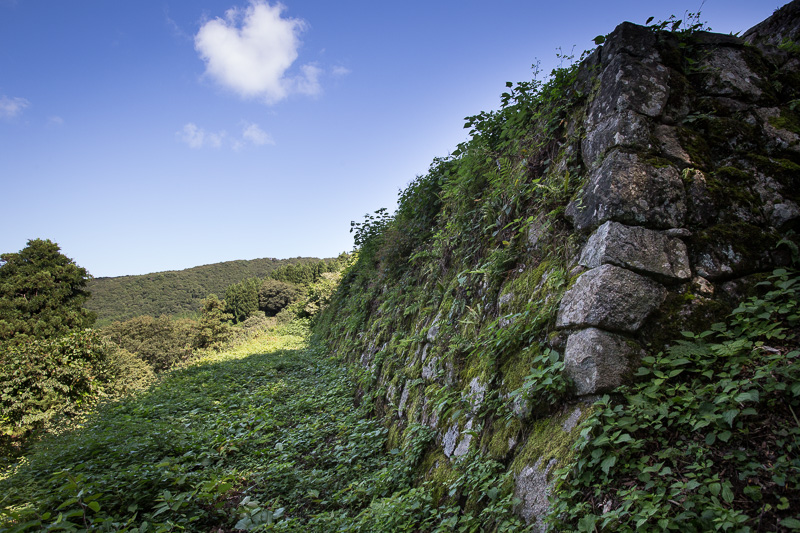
42 293
274 295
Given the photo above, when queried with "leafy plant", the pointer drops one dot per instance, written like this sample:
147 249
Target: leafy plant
709 440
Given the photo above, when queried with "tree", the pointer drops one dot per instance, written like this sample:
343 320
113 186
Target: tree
42 293
214 328
274 295
241 299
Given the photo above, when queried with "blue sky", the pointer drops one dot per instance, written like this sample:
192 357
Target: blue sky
148 136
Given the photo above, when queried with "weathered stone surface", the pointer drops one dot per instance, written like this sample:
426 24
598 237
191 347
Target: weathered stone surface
727 74
779 210
611 298
433 331
451 445
596 360
627 128
719 260
476 394
639 249
403 399
627 83
667 137
572 421
533 489
449 440
626 189
778 138
631 39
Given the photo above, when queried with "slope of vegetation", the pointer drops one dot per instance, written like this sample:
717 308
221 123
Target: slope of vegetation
180 293
264 436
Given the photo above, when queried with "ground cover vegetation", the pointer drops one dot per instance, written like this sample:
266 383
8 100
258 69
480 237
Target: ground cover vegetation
263 437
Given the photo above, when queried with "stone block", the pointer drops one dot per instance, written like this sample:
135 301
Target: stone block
628 83
628 128
611 298
626 189
597 360
639 249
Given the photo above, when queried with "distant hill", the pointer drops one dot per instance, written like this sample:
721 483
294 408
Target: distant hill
177 292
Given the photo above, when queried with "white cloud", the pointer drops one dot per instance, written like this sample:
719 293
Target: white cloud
12 106
251 50
340 71
196 137
253 133
55 120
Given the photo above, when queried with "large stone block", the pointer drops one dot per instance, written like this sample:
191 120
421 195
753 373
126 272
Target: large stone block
628 83
626 189
612 298
628 129
726 73
639 249
631 39
597 360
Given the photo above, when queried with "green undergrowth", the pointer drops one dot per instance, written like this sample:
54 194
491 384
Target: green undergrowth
265 436
709 440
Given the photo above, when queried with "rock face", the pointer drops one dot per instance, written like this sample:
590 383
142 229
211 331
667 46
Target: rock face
675 173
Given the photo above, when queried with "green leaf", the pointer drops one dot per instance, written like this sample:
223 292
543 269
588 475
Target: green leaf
600 39
792 523
94 506
608 462
727 493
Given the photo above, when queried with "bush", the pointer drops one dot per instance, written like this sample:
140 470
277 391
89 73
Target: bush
130 372
161 342
40 379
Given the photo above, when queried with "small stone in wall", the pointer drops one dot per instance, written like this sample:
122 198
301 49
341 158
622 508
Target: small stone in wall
596 360
433 331
571 421
533 490
611 298
638 249
466 440
403 400
449 440
702 286
670 145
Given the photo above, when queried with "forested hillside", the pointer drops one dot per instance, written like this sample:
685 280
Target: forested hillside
175 293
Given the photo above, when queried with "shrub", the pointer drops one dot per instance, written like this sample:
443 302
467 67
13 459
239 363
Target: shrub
130 372
40 379
214 329
161 342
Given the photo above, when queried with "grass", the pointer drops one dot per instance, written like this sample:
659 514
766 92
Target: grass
265 433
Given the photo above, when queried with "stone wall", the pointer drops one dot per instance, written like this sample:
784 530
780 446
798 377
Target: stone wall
688 148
